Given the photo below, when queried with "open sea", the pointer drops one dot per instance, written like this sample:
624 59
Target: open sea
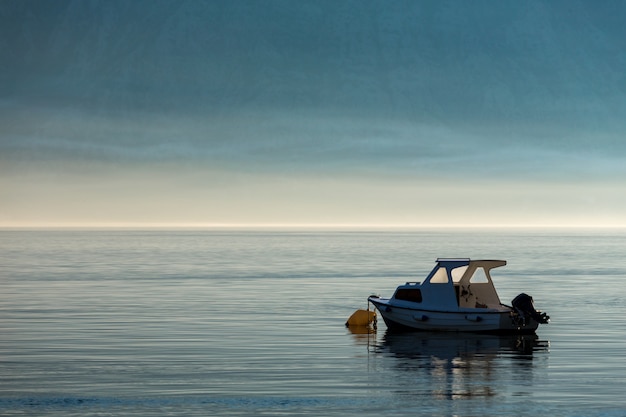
250 323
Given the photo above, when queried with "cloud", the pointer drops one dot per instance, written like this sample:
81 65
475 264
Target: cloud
509 63
301 142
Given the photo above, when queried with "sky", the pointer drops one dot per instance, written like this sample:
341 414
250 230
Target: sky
312 113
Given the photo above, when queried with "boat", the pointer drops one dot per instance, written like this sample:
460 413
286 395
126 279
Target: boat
458 295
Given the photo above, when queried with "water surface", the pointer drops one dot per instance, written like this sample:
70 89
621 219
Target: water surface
145 323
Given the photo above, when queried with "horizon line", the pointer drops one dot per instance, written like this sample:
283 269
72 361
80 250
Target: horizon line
355 226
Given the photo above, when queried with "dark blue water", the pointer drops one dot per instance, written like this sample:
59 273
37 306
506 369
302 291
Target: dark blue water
145 323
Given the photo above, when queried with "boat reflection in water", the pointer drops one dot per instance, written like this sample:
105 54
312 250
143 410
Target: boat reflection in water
459 365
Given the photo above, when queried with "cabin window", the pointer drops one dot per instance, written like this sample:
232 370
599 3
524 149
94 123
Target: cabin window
440 277
457 273
479 276
406 294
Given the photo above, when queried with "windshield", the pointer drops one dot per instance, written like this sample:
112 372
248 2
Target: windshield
457 273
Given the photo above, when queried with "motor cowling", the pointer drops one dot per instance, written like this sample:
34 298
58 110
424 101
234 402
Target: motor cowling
525 307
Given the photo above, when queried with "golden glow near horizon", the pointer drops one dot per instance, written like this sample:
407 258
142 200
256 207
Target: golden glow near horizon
306 203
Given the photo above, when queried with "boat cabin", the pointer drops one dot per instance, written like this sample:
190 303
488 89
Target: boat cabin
454 283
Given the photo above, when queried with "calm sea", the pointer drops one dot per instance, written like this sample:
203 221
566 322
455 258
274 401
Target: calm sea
249 323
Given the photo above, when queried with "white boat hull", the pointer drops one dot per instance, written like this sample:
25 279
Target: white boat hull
478 320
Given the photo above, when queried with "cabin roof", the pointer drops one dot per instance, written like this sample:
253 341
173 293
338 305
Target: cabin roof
455 262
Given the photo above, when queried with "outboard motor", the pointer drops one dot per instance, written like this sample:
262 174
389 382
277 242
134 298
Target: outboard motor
524 306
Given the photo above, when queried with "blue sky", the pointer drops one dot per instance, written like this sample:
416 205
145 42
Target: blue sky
406 113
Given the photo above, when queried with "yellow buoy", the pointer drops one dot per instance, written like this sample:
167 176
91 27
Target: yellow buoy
362 318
